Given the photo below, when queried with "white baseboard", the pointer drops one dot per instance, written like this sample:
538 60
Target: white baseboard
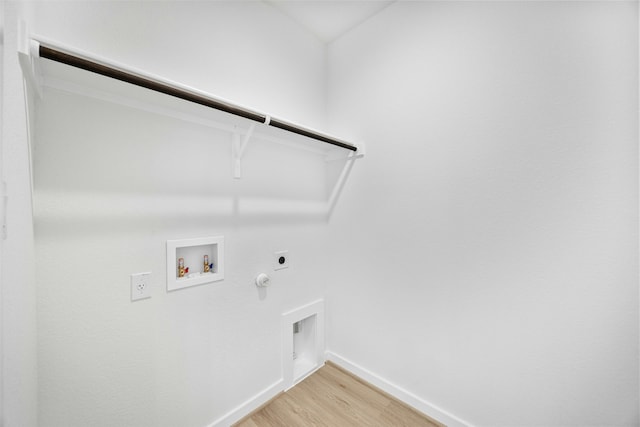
252 404
399 393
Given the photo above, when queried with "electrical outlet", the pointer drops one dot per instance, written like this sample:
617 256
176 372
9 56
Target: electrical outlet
281 260
140 286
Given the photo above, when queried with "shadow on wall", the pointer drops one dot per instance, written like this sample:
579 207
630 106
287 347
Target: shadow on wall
100 164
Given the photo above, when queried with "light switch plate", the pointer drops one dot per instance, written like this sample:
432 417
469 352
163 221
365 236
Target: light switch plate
140 286
281 259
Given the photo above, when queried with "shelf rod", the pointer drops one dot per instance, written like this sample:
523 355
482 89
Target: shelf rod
177 92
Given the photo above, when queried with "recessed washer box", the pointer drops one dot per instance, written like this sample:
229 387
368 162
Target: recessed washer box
192 252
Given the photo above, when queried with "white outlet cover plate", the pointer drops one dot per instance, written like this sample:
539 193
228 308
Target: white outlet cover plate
277 265
140 286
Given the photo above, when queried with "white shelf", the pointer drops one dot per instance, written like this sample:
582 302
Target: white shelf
43 74
48 63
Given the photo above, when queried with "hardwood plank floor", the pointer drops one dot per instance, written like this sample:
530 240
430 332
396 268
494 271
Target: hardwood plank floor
332 397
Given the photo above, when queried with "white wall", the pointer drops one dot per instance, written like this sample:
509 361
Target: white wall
19 382
2 13
112 184
489 238
486 251
247 52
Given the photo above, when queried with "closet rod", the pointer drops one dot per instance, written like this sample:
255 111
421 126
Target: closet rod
122 75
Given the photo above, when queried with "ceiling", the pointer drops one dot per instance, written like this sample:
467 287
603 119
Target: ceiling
329 19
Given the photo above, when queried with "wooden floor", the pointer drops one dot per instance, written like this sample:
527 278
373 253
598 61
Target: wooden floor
335 398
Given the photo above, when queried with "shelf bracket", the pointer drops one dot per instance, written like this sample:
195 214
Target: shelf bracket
339 185
238 148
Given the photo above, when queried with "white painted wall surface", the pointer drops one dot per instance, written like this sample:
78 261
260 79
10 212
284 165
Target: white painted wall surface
2 13
489 239
246 52
19 365
113 184
486 251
